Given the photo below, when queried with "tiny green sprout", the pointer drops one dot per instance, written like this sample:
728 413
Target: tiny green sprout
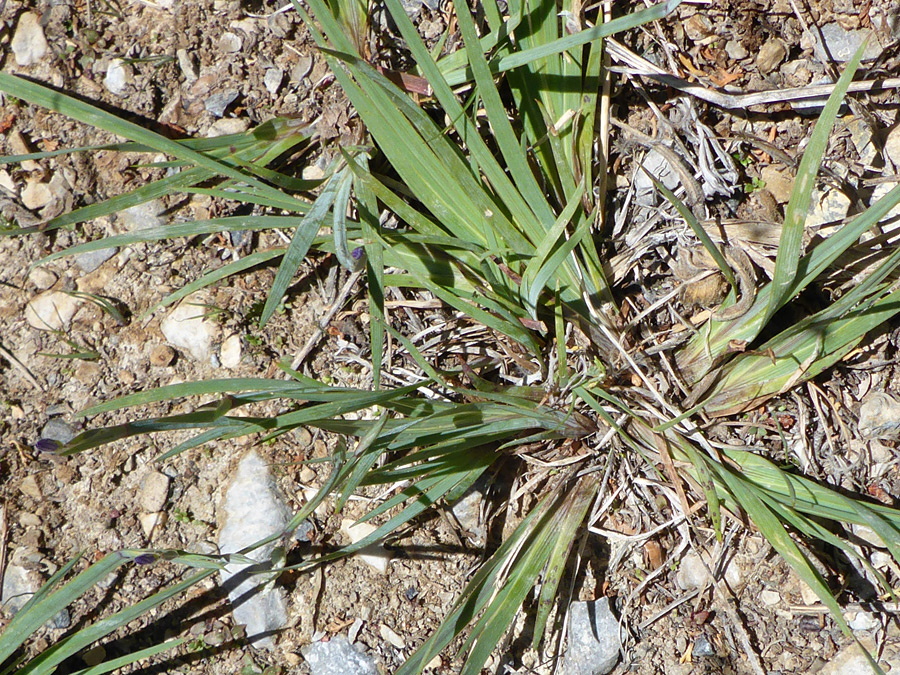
755 185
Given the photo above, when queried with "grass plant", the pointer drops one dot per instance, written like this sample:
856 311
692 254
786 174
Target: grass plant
492 180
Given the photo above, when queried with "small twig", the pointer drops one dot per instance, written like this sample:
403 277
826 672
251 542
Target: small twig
638 66
323 324
3 532
18 365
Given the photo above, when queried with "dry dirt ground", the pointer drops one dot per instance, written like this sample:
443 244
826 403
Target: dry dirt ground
180 54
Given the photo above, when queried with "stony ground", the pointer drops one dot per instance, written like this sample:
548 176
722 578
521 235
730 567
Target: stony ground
220 66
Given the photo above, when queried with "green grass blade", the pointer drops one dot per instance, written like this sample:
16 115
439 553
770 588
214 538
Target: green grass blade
297 249
128 659
790 244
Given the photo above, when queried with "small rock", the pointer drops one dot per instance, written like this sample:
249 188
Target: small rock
692 573
187 328
154 491
338 657
390 636
118 76
36 195
851 661
96 281
770 597
230 43
736 50
879 416
162 356
861 135
779 182
841 44
593 639
412 7
892 147
41 278
61 620
703 647
374 555
27 519
151 521
58 430
219 102
698 27
51 310
272 80
301 69
29 44
304 532
186 63
19 584
770 55
143 216
230 352
307 475
863 621
828 208
228 125
30 488
91 260
467 510
254 508
95 656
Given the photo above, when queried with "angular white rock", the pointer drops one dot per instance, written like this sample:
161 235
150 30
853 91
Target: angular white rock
187 328
337 657
52 310
29 44
374 555
254 509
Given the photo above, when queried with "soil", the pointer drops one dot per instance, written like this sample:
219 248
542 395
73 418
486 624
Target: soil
179 55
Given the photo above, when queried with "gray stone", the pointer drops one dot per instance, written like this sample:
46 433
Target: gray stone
57 430
861 135
593 639
219 102
29 44
842 44
703 647
467 510
91 260
254 509
879 416
338 657
19 584
736 50
144 216
154 491
272 80
230 43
